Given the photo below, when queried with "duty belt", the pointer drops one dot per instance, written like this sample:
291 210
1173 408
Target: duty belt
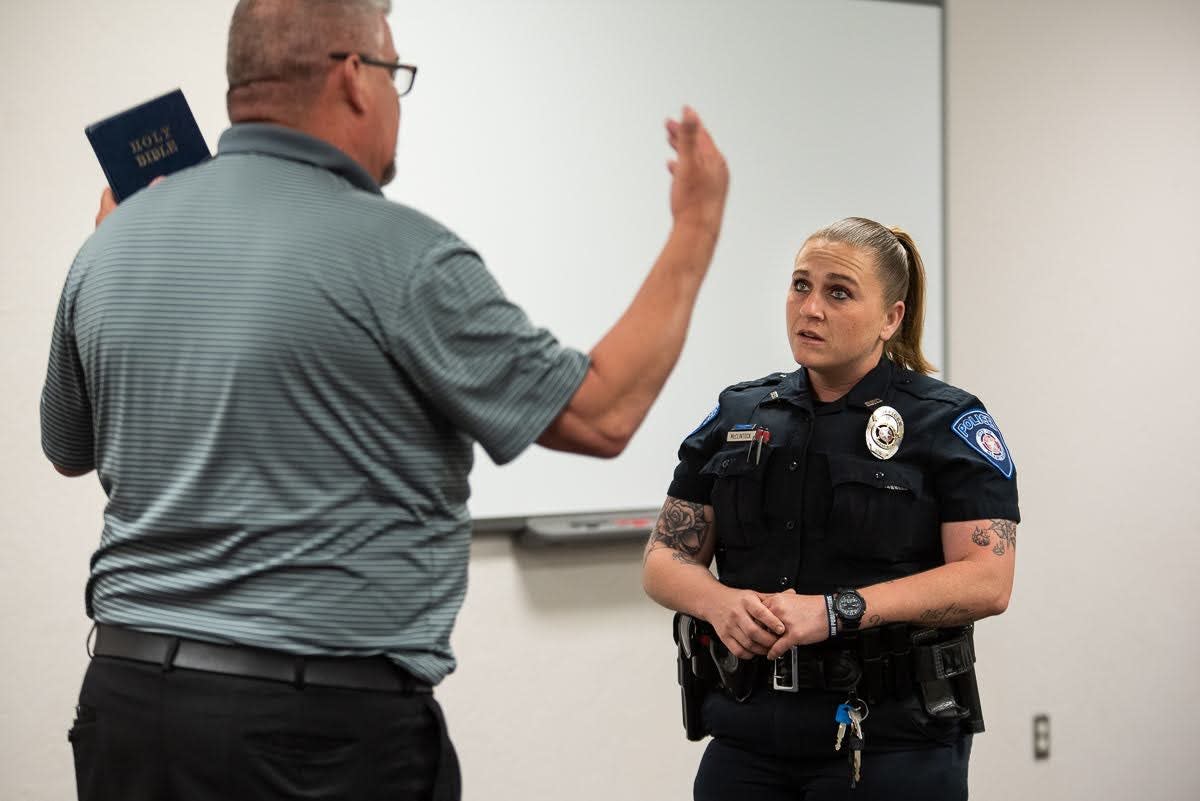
877 664
376 673
881 662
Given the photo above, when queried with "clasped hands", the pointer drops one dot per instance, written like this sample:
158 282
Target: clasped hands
768 624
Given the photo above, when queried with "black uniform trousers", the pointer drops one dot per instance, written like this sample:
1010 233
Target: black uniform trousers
730 772
145 734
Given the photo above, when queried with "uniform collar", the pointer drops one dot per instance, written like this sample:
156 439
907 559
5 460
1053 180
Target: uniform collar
794 389
873 386
288 143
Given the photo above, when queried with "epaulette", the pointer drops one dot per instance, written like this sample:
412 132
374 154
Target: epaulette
770 380
740 403
927 388
739 399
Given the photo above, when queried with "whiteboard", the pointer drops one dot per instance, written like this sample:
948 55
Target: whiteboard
534 131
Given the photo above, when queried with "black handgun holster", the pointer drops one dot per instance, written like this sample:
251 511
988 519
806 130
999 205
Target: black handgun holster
944 667
695 672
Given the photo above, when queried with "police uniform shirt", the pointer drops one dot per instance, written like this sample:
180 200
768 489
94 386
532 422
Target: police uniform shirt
816 510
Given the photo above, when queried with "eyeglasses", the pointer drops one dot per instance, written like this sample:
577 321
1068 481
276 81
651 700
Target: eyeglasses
403 75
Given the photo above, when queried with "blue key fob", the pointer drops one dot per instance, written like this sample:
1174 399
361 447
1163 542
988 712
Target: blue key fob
843 714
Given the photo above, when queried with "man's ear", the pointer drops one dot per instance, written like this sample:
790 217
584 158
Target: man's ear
353 80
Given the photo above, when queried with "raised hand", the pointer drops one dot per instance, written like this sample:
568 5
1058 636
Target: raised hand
700 173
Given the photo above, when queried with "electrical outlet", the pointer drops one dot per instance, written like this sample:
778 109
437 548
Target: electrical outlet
1041 737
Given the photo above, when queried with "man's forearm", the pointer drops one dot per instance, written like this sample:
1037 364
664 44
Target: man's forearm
635 358
632 362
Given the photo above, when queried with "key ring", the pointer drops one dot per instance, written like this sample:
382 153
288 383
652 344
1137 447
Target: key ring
866 710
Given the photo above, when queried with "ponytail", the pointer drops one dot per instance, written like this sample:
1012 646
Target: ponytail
904 348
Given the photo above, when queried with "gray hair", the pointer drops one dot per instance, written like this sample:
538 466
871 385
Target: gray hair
277 47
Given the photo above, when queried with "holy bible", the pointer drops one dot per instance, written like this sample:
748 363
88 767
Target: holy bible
158 137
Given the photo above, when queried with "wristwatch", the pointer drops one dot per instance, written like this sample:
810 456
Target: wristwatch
849 607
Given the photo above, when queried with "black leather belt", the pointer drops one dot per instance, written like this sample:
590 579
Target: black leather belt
354 673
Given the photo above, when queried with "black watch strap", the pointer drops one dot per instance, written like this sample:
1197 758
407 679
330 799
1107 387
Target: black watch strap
849 607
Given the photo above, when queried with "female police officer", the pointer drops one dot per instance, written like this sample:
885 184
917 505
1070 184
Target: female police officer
862 516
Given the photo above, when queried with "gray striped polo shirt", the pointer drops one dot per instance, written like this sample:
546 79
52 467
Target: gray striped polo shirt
278 376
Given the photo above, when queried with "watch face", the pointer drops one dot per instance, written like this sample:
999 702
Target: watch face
850 605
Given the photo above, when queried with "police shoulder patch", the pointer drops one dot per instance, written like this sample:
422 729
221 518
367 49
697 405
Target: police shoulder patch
977 428
711 416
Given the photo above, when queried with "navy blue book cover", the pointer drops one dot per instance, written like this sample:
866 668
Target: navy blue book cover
158 137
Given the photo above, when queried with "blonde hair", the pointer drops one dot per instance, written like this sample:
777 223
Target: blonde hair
902 272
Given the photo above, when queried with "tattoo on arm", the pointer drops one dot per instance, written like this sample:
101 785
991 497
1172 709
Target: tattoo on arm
682 528
952 615
1006 536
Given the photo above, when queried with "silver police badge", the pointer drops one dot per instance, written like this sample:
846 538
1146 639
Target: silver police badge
885 430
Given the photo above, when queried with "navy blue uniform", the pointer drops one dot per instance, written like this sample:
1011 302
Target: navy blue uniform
817 511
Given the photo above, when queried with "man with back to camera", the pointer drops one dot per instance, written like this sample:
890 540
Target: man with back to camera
278 376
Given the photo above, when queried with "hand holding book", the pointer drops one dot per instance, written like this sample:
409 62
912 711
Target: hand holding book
136 146
108 201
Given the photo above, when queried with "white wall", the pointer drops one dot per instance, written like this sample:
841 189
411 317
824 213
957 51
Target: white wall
61 63
1074 153
1074 274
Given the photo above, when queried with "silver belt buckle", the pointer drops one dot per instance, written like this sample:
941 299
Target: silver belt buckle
784 679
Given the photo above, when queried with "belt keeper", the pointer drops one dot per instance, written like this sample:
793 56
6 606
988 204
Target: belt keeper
871 653
900 647
168 660
298 668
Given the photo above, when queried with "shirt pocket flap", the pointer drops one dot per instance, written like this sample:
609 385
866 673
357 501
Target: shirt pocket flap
878 474
731 463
